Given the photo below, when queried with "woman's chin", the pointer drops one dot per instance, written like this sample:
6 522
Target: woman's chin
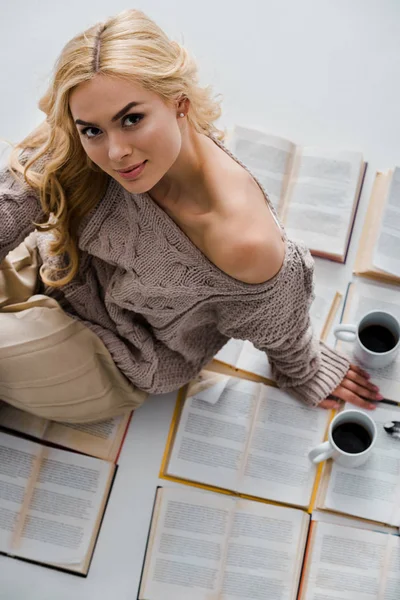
135 186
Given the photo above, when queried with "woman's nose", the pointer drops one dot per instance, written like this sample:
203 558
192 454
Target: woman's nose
118 149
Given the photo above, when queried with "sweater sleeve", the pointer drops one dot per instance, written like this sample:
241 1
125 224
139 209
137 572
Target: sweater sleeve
19 208
274 316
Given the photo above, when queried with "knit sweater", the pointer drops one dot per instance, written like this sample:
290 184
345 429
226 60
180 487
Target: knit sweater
163 309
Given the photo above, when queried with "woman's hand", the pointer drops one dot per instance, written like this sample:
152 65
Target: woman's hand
355 388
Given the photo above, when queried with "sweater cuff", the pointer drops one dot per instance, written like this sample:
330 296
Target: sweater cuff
332 369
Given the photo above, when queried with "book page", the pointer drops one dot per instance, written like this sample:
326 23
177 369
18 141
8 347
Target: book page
254 361
277 466
391 583
371 491
211 436
333 518
321 307
322 197
186 545
65 507
230 353
387 249
17 457
243 355
344 563
362 298
64 502
101 439
268 157
363 264
19 420
265 550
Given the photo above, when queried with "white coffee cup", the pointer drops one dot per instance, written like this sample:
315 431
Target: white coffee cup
370 358
330 449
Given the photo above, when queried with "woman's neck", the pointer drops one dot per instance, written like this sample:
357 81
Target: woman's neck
185 182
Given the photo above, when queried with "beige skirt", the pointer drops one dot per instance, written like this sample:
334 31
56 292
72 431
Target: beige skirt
50 364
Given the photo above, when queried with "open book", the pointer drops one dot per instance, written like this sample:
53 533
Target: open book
242 355
206 546
245 437
351 564
371 491
51 503
362 297
102 440
314 191
379 249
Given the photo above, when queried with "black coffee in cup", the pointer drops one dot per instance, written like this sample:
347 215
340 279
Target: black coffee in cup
377 338
351 437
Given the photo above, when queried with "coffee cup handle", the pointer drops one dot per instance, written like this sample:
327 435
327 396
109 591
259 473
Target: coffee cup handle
346 333
320 453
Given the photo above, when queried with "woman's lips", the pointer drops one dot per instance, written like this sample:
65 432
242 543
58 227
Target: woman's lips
133 173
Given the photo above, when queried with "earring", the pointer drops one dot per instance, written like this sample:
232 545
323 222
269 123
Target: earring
181 114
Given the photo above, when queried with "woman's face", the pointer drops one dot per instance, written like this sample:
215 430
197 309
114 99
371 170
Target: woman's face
123 126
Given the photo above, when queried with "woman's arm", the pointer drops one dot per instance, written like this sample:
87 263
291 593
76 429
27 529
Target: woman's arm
274 316
19 209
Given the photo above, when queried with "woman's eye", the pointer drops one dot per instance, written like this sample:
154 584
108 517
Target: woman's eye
134 119
128 121
90 132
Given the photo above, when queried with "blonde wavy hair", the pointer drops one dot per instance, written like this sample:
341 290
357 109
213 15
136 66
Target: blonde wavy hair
51 158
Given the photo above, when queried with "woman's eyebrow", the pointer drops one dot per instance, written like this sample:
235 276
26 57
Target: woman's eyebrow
114 118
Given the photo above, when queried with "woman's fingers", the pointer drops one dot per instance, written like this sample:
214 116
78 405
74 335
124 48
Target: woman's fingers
359 389
329 404
349 396
360 371
361 380
355 388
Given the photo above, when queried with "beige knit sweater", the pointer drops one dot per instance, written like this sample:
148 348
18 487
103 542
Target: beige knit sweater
163 309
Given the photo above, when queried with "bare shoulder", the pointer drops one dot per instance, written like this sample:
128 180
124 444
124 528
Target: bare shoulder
242 237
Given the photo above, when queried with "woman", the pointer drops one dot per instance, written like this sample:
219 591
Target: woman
156 245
